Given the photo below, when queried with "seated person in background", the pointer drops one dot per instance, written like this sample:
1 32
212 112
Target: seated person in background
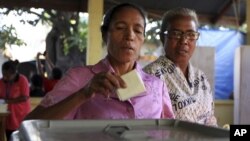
89 92
56 73
49 83
36 87
14 89
189 89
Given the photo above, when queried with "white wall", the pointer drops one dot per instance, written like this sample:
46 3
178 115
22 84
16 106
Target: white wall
204 59
242 86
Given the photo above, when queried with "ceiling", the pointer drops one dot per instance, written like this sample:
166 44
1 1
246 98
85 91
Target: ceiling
214 12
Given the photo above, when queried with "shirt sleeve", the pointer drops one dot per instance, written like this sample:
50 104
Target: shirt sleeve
211 119
66 86
72 82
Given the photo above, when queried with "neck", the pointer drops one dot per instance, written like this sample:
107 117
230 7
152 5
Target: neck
122 68
184 68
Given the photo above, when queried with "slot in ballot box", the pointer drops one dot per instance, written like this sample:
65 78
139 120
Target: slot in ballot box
119 130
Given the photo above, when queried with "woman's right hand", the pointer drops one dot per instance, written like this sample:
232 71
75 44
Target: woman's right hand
104 83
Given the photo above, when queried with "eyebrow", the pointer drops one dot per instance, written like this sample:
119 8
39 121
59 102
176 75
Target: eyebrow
138 25
182 31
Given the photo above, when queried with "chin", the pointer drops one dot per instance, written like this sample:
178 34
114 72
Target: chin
127 59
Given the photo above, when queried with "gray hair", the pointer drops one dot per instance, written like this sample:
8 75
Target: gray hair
174 14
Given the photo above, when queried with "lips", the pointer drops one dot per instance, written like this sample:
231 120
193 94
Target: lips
128 47
183 50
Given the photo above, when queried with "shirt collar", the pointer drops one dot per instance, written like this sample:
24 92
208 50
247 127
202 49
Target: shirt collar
189 67
190 72
104 65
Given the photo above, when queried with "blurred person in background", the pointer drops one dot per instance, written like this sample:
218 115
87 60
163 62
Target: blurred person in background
36 86
14 89
50 77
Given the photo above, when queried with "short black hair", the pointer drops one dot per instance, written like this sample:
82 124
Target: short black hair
110 13
37 80
10 66
57 73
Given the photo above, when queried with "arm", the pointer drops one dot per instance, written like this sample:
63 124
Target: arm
24 91
16 100
61 109
100 83
211 119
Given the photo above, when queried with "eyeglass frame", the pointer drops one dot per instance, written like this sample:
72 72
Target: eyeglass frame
185 34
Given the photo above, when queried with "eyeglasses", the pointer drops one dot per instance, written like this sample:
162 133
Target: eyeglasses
175 34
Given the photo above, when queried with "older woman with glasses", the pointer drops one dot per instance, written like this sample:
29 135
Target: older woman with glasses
189 89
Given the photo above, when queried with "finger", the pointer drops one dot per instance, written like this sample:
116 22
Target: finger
108 85
105 83
113 80
98 89
101 84
103 91
121 82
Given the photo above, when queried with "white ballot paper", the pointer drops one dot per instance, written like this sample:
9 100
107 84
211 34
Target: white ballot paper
134 83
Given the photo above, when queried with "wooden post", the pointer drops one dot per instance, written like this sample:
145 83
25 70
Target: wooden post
248 20
94 45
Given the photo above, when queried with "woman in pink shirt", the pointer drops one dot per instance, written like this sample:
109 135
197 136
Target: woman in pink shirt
14 89
89 92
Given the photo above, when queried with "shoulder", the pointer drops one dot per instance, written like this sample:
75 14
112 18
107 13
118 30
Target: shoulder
80 70
151 79
22 81
22 77
147 77
88 69
77 75
153 66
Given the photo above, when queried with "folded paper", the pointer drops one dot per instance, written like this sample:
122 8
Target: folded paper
135 86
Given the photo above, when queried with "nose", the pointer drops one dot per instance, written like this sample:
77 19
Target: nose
130 34
184 39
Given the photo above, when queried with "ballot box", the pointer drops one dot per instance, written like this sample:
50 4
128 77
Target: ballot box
118 130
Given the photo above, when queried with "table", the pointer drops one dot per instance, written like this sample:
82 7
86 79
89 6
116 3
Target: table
3 116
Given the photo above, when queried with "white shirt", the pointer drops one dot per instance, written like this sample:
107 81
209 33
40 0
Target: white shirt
192 100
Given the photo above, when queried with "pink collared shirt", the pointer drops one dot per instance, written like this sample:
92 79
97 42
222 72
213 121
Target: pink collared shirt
152 104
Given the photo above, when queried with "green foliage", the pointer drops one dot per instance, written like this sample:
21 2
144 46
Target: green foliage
152 35
77 38
8 36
